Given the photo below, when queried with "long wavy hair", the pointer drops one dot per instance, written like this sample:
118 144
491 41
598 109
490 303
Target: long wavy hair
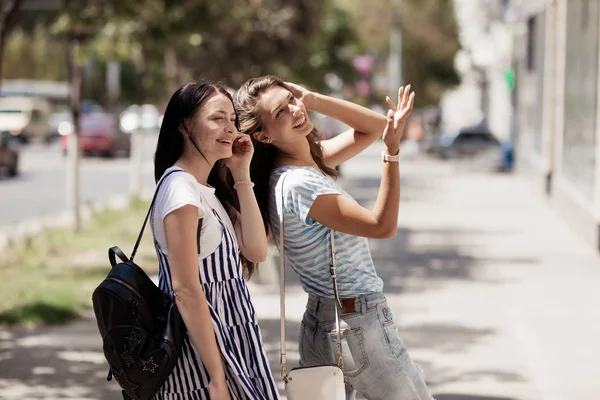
248 108
182 107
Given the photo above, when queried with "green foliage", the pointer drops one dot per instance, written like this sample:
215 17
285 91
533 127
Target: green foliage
429 41
50 278
230 40
162 44
34 54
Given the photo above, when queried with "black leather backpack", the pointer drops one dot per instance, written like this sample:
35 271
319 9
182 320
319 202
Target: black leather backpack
142 330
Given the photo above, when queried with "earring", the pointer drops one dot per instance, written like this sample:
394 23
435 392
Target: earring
268 140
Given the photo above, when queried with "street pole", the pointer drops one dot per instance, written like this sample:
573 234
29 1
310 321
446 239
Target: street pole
395 56
135 162
73 150
113 83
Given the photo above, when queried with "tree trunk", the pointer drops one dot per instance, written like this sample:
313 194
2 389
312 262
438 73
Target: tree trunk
72 178
2 40
136 159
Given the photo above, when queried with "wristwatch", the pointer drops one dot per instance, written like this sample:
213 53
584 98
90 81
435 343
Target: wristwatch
387 158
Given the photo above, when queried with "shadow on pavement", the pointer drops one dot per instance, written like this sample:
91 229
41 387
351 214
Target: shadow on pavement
66 362
58 362
432 255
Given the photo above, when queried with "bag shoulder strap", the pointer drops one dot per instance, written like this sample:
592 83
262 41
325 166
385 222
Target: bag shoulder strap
139 239
332 271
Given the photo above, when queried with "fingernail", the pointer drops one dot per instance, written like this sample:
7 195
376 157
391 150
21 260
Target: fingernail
390 113
387 98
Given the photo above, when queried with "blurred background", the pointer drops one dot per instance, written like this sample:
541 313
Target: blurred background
500 166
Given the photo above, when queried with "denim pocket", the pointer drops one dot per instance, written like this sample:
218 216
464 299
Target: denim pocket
353 351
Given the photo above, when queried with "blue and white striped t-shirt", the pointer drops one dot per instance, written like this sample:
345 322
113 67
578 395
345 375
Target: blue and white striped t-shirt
307 242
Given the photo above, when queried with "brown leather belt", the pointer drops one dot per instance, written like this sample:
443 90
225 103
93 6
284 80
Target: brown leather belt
348 305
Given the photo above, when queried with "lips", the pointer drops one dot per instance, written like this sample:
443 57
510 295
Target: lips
301 121
225 141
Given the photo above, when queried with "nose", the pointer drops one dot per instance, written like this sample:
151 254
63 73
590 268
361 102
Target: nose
295 110
231 128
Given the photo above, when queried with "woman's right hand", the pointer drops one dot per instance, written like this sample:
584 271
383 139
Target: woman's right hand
396 118
218 390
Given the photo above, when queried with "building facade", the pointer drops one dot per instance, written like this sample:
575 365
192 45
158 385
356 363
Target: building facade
557 109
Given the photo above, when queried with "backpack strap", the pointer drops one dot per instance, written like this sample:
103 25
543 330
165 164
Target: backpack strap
139 239
115 252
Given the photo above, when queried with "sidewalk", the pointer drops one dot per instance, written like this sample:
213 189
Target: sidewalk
494 296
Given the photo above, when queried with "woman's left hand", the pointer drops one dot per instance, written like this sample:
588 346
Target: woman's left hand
242 154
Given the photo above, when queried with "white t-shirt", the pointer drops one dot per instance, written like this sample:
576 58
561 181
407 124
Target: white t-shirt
180 189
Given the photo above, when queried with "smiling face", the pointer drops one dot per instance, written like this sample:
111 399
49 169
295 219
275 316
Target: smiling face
213 127
284 118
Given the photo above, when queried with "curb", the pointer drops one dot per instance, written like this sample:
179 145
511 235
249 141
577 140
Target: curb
267 273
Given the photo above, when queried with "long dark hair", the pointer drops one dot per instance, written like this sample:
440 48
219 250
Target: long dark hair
182 107
247 106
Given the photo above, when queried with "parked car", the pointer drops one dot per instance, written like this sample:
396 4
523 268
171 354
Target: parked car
9 155
100 135
26 118
463 142
475 142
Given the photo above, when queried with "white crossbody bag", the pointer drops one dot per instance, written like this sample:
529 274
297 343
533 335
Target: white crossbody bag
321 382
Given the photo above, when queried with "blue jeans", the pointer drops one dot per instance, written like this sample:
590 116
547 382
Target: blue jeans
376 362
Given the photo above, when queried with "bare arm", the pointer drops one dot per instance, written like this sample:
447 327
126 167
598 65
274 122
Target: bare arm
345 215
180 231
366 125
249 226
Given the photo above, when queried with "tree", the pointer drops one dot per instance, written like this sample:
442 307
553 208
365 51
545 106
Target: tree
429 40
82 24
429 46
233 40
9 10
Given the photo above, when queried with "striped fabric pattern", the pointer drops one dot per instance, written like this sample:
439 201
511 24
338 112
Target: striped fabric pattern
238 335
307 242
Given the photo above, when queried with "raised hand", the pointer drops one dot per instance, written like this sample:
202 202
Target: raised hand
397 117
301 93
242 154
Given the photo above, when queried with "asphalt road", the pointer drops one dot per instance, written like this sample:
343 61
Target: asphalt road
39 189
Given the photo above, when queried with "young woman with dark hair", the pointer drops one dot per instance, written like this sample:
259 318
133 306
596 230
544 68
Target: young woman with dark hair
207 237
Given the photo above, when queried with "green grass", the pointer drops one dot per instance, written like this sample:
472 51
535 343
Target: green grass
50 278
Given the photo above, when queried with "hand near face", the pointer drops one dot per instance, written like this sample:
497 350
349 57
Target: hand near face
301 93
242 153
